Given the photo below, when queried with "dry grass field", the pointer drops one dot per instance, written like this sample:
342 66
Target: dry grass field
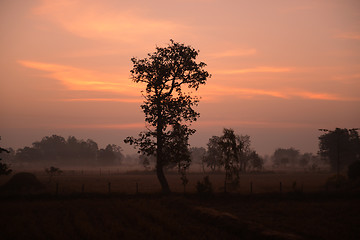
146 182
312 213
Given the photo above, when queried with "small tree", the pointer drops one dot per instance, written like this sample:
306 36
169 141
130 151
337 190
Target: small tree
256 162
213 157
204 187
167 107
230 151
53 171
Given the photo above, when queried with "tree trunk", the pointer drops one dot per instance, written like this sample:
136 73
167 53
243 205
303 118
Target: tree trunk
160 175
159 155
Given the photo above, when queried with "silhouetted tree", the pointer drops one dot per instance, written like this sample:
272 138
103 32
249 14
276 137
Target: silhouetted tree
340 147
52 148
167 106
28 154
197 154
4 168
256 162
56 150
110 155
213 156
232 152
53 171
283 157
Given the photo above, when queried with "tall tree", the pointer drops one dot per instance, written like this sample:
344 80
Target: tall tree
167 107
340 147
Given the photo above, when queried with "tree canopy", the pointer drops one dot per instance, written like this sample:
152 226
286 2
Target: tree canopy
169 74
4 168
340 147
57 150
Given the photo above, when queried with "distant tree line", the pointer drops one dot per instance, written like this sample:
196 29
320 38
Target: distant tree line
292 158
71 151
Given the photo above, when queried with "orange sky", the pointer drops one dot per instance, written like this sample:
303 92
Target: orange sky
281 69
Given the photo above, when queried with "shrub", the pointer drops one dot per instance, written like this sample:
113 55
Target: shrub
336 181
205 186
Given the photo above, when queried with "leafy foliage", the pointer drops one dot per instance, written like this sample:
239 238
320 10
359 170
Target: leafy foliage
233 153
168 108
53 171
4 168
285 156
341 145
57 150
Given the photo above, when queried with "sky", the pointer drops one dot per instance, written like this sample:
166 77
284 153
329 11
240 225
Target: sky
280 69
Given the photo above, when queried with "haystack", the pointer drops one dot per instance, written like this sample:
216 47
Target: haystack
22 182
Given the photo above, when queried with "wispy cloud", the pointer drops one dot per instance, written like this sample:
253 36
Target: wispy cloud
83 79
347 78
216 92
243 92
321 96
125 100
104 126
254 124
264 69
353 36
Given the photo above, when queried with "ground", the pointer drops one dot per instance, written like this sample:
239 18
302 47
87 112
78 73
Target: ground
241 215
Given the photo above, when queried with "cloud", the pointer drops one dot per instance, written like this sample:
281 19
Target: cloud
85 80
97 20
243 92
216 92
263 69
125 100
350 78
255 124
198 124
352 36
104 126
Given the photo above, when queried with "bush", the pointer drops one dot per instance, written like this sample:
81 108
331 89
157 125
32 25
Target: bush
336 181
354 170
205 186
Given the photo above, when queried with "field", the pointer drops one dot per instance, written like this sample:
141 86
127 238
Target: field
84 208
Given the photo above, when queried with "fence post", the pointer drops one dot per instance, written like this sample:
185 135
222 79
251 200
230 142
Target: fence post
57 189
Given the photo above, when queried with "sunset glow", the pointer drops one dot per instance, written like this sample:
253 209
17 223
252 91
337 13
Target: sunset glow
280 70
